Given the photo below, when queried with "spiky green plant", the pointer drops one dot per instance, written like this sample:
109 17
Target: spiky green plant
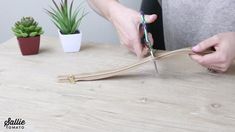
65 17
27 27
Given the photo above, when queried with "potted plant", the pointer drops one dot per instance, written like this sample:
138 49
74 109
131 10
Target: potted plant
28 34
67 20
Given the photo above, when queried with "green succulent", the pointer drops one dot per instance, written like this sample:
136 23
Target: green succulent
66 19
27 27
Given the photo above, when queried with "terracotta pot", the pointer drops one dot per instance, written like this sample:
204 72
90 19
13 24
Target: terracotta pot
29 46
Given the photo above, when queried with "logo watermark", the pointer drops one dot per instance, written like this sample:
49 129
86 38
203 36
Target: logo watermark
18 123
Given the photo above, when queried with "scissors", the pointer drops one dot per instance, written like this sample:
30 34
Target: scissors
147 41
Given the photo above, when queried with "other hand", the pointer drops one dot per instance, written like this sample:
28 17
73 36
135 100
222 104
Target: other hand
222 58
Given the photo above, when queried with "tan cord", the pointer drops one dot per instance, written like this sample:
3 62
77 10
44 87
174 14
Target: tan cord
72 79
115 72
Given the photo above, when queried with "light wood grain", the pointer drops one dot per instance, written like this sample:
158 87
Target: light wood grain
183 98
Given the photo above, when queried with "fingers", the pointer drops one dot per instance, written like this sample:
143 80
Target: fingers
130 33
204 45
141 50
205 61
212 61
133 43
145 49
138 47
150 18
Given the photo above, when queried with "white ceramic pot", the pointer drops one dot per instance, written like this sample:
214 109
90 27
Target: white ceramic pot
71 42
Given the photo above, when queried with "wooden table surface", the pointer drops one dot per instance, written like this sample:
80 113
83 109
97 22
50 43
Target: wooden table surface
184 98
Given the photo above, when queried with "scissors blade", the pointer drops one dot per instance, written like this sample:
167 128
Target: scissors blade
148 43
154 61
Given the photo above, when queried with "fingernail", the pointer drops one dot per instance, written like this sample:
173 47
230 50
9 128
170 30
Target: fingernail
153 16
195 48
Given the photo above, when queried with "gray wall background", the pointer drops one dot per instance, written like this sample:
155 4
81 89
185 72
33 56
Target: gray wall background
93 27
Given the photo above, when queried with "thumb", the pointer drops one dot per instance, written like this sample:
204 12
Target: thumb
150 18
206 44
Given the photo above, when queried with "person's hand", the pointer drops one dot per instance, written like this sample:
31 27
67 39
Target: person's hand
127 23
222 58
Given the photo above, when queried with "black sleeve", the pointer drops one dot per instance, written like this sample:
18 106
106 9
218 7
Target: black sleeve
156 28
